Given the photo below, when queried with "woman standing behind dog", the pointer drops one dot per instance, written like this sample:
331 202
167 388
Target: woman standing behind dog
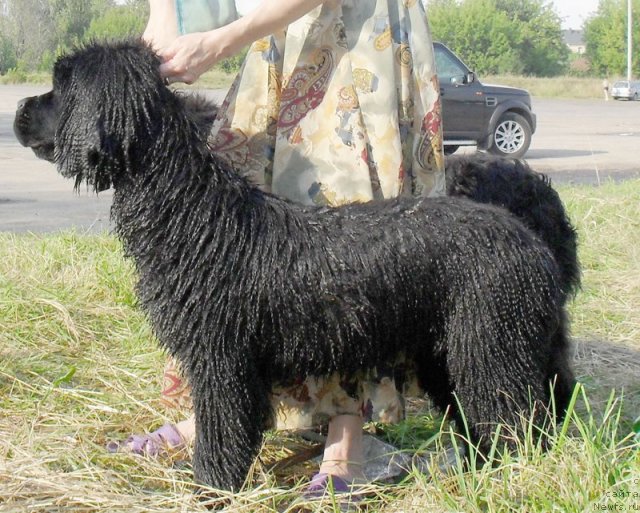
337 101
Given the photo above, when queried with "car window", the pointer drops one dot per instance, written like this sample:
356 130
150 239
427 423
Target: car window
448 68
621 84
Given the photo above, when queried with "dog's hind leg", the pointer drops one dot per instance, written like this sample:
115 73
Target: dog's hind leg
559 375
232 408
498 377
486 400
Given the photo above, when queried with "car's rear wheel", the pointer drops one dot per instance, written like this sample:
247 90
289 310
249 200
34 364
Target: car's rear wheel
511 136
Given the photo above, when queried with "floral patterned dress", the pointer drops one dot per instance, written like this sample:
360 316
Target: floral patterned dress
344 106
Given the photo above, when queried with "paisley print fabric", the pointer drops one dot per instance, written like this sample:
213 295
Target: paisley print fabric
344 106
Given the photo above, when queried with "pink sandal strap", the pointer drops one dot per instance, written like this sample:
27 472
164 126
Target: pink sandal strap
321 483
150 444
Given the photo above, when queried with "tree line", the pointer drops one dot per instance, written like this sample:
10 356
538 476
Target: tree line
522 37
606 38
34 32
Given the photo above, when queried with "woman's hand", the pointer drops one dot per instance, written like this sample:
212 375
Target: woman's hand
189 56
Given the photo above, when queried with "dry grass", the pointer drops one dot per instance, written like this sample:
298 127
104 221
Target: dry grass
79 366
214 79
555 87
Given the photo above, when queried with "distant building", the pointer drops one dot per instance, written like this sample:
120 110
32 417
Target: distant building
574 39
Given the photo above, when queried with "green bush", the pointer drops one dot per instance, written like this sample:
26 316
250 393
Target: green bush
233 64
8 58
14 76
48 59
116 23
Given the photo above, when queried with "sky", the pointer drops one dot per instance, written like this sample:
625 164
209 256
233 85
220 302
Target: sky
574 12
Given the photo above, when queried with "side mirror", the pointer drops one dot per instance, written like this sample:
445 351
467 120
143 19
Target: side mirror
470 78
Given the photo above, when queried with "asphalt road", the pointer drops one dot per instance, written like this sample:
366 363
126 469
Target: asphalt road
579 141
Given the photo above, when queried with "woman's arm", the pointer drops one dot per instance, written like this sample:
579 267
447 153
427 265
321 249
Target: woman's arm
189 56
162 25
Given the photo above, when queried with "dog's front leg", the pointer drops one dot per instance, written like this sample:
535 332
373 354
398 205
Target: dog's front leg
232 408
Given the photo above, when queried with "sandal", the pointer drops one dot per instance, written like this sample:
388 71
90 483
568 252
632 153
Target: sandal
345 495
323 485
151 444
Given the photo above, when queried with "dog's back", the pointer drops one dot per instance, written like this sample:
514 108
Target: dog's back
510 184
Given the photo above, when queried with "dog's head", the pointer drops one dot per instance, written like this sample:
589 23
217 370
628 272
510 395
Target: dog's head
106 111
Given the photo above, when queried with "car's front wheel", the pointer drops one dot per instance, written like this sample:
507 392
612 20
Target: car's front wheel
511 136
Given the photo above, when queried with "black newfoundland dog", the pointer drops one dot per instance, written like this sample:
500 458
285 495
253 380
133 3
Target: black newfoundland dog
248 290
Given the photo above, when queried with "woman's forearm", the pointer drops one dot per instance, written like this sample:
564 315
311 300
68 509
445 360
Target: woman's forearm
186 58
267 18
162 25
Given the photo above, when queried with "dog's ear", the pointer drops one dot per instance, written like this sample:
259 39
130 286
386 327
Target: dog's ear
87 147
200 110
105 160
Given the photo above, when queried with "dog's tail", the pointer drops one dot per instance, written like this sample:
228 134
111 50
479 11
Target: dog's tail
513 185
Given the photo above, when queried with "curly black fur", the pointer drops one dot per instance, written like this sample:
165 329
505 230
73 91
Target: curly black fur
507 183
512 184
248 290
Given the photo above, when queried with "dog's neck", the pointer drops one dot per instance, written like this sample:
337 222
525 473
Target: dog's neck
180 190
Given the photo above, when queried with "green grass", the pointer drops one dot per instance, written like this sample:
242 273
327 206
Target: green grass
556 87
21 77
219 77
214 79
79 366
